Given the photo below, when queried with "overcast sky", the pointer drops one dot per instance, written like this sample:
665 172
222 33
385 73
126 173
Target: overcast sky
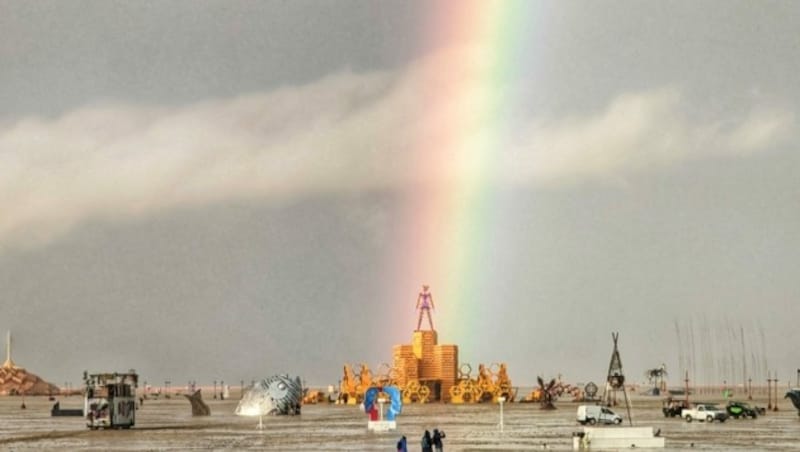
215 190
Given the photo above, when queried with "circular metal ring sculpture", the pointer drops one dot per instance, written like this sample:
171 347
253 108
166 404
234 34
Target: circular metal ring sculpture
424 392
590 390
464 371
383 369
470 390
394 375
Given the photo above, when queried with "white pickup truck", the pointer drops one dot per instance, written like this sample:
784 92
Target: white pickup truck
707 412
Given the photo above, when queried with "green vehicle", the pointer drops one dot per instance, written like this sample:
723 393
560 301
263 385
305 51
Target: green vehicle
743 410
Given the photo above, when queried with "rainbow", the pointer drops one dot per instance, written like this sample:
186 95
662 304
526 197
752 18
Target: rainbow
451 223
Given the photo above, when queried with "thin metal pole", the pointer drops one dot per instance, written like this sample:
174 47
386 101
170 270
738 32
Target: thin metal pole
769 391
686 388
775 405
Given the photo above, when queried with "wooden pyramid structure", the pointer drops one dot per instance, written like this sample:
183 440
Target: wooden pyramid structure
15 380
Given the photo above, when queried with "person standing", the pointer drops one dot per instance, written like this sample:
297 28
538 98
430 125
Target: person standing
424 305
438 436
402 445
427 442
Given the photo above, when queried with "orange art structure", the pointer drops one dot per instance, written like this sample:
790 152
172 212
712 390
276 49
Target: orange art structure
15 380
427 371
424 369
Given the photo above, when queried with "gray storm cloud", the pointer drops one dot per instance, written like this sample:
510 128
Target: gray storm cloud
346 132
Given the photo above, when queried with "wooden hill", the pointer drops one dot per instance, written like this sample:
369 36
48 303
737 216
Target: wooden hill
15 380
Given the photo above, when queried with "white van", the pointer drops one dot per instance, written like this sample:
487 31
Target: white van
592 414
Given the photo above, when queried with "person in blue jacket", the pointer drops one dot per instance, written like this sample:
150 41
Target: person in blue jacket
402 445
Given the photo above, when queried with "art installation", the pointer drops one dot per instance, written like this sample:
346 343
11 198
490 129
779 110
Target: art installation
426 371
278 395
378 420
794 396
199 408
110 399
395 406
16 380
424 306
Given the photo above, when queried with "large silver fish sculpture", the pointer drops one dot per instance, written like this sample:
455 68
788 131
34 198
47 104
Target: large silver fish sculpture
278 394
794 395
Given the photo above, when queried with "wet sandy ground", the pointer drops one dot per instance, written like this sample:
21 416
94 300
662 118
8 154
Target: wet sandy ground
168 425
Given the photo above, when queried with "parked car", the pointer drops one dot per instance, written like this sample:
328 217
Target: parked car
741 409
707 412
593 414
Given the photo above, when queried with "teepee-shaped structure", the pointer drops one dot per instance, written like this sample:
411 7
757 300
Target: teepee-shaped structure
15 380
616 380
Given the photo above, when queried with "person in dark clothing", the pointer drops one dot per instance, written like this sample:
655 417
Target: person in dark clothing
438 436
402 445
427 442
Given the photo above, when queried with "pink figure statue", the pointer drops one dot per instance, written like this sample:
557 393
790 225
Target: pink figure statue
424 305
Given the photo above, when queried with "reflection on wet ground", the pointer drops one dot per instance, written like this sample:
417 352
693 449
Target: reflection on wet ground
168 425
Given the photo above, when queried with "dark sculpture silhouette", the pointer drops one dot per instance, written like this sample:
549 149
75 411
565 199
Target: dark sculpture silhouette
547 393
794 395
199 408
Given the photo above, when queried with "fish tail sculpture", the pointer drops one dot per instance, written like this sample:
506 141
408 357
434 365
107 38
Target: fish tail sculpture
199 408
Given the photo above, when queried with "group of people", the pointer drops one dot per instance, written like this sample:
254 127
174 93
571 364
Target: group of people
430 443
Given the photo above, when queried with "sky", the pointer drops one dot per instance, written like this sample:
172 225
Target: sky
225 190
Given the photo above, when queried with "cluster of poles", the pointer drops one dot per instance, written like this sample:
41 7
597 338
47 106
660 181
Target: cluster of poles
718 351
219 386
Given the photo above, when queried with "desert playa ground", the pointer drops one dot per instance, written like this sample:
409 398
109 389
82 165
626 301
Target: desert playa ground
167 424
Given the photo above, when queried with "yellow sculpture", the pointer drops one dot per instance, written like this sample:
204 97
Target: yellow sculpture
352 387
488 386
414 391
347 388
364 379
313 397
